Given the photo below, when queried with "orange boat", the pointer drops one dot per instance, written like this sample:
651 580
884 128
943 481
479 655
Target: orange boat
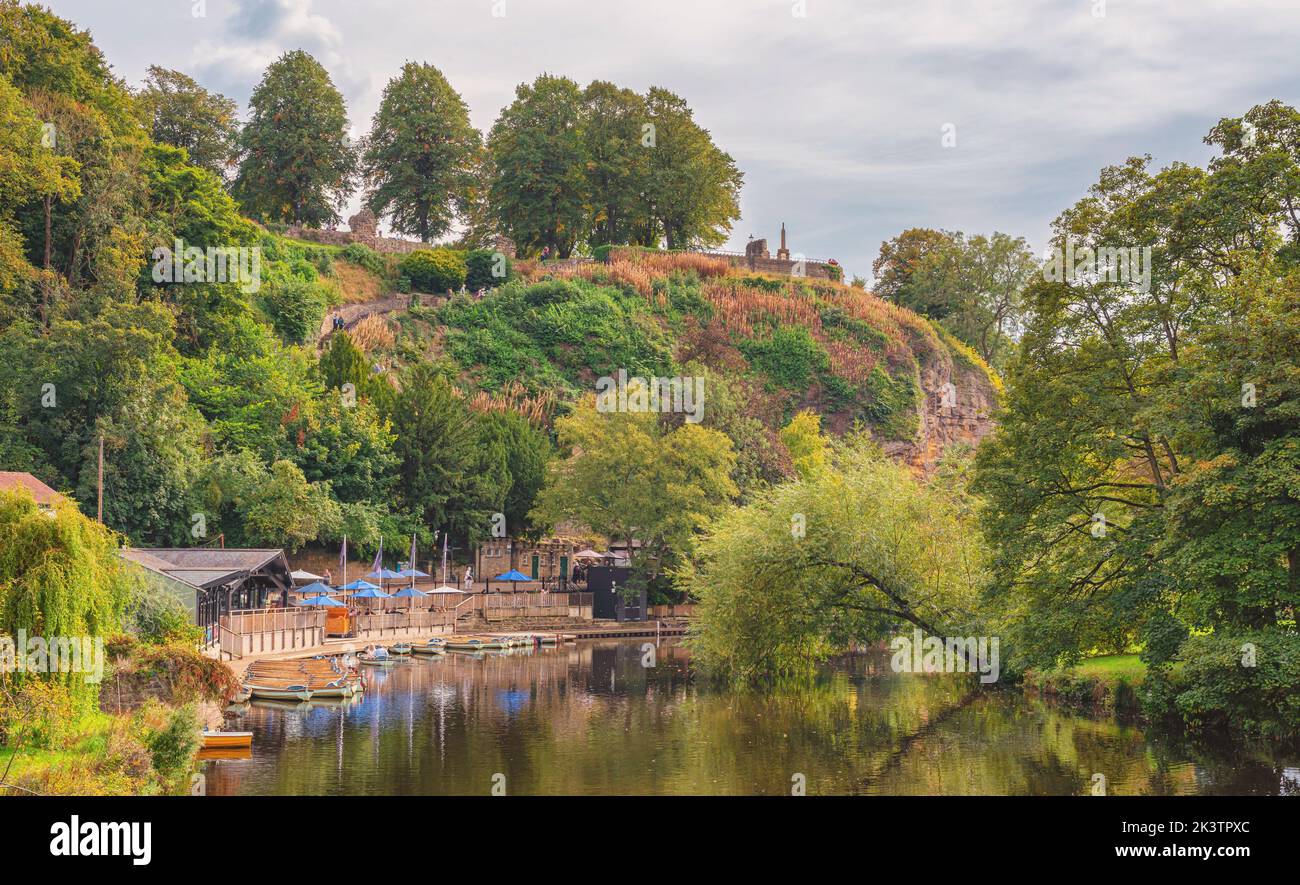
224 740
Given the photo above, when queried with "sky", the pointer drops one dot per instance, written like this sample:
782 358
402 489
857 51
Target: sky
852 120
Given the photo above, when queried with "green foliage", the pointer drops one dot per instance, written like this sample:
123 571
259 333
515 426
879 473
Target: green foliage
420 149
789 356
803 438
604 166
537 191
60 576
441 477
852 553
364 257
180 112
36 713
628 477
552 334
434 270
893 404
485 269
296 163
1141 485
296 308
973 285
257 507
524 451
174 745
1243 684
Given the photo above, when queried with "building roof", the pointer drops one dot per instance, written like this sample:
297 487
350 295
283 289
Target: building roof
43 494
208 567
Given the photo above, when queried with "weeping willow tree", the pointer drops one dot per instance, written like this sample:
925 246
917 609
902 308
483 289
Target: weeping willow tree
59 577
852 553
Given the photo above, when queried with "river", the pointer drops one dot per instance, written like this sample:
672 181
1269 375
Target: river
627 717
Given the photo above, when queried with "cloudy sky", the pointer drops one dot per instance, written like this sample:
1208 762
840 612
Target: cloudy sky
834 109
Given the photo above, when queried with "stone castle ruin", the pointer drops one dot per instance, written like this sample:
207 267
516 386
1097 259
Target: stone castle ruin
758 258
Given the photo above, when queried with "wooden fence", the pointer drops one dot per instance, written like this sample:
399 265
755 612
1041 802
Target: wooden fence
263 630
420 619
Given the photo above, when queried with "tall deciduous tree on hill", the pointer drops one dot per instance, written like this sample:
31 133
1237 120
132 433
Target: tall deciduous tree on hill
420 157
180 112
297 164
693 187
538 191
613 131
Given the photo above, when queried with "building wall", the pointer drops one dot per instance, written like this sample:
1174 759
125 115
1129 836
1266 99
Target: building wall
501 555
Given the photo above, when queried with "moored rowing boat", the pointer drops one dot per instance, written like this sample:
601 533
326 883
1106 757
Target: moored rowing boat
214 740
281 693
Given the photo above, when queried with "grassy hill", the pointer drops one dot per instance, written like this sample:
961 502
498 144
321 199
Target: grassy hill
777 345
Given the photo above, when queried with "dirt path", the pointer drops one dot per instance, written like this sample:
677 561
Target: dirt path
355 313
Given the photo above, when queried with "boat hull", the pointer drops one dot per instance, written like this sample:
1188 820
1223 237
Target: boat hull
296 693
225 740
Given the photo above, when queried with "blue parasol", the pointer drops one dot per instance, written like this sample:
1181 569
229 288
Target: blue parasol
513 576
323 601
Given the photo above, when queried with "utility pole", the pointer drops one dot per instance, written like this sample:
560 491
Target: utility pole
99 513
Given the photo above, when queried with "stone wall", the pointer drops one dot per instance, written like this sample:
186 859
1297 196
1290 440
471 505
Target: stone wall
817 270
344 238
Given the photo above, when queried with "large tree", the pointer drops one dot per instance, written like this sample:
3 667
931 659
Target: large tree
1131 440
180 112
693 186
538 189
420 157
613 132
632 479
850 554
442 476
296 162
972 285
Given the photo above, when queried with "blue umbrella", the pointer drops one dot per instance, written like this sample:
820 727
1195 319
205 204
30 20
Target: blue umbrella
372 592
314 589
512 576
323 601
385 574
410 593
360 585
412 573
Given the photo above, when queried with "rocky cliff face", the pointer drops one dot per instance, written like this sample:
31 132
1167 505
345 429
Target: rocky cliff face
958 406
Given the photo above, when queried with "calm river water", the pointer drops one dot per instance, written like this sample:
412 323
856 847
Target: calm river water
592 718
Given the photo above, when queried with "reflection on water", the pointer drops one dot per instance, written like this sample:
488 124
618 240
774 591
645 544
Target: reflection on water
592 719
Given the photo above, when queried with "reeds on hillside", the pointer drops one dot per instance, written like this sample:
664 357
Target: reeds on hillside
372 333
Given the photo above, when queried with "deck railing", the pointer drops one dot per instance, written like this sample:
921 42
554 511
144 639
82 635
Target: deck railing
256 631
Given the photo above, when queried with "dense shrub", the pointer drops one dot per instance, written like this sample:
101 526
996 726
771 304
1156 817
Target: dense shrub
173 746
295 307
364 257
486 269
1241 684
892 404
790 357
434 270
38 714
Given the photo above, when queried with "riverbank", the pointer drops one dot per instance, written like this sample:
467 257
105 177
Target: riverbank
1107 683
139 735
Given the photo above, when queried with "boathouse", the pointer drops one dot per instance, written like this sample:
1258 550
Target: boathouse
212 582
